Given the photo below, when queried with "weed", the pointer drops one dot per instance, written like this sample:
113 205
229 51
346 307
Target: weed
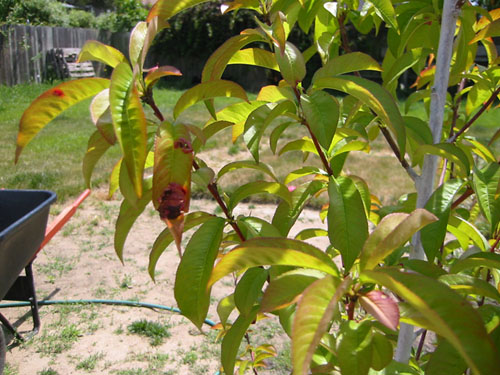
56 267
89 363
126 282
190 357
9 370
48 371
156 332
56 343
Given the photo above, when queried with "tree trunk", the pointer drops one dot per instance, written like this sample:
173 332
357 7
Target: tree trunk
425 182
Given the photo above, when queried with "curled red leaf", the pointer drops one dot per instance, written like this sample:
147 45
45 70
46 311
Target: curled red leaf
382 307
172 201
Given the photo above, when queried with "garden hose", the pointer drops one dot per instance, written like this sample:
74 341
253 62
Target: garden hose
89 301
103 302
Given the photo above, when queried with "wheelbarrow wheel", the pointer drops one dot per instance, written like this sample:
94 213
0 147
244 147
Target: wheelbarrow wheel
2 350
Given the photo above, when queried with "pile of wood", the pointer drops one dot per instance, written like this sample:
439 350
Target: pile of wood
63 63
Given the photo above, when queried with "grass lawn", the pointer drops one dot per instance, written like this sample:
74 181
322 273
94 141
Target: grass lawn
53 159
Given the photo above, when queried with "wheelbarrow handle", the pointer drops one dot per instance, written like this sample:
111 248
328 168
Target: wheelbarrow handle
61 219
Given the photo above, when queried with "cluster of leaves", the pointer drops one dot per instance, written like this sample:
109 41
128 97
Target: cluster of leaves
52 13
342 306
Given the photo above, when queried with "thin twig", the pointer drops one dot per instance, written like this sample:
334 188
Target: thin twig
421 345
469 123
466 194
392 144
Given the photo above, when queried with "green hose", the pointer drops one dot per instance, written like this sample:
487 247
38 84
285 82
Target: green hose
101 301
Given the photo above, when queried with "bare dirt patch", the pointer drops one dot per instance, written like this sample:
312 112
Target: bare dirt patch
80 263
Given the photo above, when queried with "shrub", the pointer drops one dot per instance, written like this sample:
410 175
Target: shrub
81 18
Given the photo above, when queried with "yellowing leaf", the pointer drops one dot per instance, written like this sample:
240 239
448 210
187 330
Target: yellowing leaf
51 103
96 51
156 73
165 9
256 57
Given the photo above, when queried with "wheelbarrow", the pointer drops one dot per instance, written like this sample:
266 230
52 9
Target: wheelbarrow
23 233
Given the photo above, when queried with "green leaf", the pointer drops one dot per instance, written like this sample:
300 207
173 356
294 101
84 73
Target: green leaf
232 340
165 9
423 267
461 227
402 64
291 63
273 94
129 122
51 103
191 290
285 289
321 111
391 233
217 62
136 43
173 162
486 182
96 51
347 223
306 234
256 57
262 167
491 30
249 289
208 90
375 97
127 217
165 238
273 251
382 351
96 147
258 121
254 227
259 187
312 318
305 171
481 150
225 308
445 360
470 285
348 63
439 204
386 10
447 311
354 347
447 151
156 73
489 260
286 215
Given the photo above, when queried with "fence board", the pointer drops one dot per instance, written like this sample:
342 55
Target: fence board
23 49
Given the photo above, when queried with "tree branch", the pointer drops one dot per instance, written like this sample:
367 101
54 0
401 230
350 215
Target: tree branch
394 147
469 123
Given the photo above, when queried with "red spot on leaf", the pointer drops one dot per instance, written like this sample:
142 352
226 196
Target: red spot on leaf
58 92
172 201
183 144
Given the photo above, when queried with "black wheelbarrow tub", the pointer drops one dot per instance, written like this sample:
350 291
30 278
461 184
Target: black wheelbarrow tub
23 220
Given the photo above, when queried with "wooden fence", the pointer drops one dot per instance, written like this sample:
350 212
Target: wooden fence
23 49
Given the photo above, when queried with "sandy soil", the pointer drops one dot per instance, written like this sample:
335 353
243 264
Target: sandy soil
80 263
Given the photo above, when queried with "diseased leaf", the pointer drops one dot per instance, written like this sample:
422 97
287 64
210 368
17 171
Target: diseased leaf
447 311
382 307
51 103
191 291
391 233
314 312
129 122
273 251
208 90
347 222
96 51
